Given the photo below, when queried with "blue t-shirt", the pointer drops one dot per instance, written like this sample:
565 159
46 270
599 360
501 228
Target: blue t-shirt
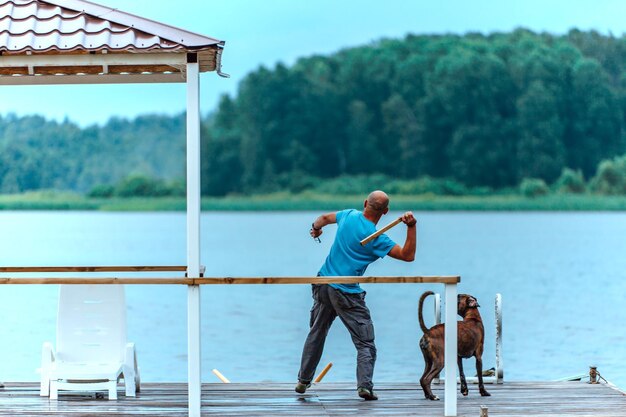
347 257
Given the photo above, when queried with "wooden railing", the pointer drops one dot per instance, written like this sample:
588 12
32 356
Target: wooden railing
450 282
126 268
229 280
182 280
93 279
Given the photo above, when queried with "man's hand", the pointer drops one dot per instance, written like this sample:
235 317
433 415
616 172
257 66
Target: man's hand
408 219
407 251
315 233
321 221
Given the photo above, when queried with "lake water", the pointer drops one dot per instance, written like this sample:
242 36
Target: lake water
561 276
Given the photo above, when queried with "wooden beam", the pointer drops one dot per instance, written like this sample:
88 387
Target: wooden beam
112 268
92 79
72 60
232 280
96 280
330 280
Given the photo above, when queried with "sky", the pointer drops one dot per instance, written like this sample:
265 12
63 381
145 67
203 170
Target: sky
271 31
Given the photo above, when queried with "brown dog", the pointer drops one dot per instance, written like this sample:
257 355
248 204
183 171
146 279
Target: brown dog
471 337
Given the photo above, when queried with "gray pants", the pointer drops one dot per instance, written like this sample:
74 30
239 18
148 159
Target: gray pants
351 309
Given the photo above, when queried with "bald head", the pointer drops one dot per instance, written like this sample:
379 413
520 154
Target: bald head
377 202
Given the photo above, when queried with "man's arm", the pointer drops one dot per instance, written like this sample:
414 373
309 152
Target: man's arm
407 251
321 221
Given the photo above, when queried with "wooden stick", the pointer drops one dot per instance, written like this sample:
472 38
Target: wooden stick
323 373
381 231
220 376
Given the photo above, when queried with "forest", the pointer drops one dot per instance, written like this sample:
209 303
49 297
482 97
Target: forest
473 113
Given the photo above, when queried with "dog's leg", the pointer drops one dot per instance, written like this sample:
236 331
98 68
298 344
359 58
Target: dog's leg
435 368
464 389
424 381
479 371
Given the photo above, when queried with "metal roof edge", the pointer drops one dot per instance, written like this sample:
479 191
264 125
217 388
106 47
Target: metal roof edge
171 33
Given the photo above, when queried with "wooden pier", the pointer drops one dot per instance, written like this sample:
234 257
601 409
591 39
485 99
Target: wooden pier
511 399
194 279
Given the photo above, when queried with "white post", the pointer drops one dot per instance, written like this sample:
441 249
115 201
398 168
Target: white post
499 360
437 309
193 235
450 350
437 378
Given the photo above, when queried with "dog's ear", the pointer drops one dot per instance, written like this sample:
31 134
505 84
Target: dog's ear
472 302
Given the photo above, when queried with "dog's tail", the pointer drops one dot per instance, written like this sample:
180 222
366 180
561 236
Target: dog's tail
421 307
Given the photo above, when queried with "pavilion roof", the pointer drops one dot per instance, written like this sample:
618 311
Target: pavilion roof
78 27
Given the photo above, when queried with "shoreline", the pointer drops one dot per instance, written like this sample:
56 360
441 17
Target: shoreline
314 202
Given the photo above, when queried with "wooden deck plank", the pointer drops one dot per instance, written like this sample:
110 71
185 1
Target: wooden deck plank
512 399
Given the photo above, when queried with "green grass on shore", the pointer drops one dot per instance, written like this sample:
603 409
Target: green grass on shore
308 201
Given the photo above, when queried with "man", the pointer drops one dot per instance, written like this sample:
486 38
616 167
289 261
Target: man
348 258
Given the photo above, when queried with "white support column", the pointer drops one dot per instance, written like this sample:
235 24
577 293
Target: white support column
193 235
499 360
450 350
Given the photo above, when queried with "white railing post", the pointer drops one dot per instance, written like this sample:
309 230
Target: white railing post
193 235
450 349
499 377
437 307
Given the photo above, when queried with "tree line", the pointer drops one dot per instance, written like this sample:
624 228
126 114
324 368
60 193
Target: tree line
37 154
483 110
474 111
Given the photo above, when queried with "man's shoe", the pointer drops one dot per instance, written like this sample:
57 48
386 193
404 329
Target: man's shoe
301 387
366 394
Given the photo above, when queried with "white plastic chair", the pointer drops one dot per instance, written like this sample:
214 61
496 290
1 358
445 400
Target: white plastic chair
92 353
